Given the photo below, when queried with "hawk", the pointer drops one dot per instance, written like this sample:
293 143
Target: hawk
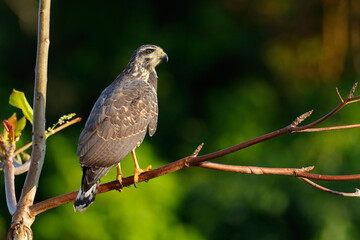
118 122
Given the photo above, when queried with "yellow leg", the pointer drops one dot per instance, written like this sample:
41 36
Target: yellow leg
119 176
138 170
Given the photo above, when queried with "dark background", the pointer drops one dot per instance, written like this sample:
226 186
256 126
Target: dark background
237 69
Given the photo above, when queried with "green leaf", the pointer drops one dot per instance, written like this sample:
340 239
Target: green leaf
20 126
18 99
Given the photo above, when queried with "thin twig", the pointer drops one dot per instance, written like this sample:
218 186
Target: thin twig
351 93
337 91
22 168
354 194
10 187
330 128
354 100
327 177
59 128
296 172
65 125
9 178
23 148
253 169
197 150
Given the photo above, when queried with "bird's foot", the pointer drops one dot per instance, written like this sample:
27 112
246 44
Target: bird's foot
119 178
139 171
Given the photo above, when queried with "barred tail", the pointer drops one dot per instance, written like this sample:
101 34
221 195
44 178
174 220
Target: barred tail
90 182
85 199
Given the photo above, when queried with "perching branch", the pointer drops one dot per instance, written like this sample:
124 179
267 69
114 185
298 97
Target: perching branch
202 161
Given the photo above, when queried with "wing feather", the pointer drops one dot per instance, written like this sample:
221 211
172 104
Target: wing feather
118 123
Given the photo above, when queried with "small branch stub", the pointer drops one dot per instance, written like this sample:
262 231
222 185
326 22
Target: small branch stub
193 155
197 150
351 93
339 95
301 118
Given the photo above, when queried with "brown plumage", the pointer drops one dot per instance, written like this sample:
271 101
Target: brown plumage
119 120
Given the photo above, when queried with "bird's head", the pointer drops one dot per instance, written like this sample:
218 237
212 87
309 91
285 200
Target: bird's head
148 56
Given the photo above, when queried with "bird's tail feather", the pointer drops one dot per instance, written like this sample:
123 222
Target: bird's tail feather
90 182
85 199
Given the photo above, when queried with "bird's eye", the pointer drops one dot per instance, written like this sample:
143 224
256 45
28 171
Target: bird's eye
148 51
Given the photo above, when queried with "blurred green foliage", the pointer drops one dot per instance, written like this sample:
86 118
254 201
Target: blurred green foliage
237 69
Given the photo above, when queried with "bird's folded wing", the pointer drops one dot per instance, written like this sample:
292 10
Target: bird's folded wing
118 123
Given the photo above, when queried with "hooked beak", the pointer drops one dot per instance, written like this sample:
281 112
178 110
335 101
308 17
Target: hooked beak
163 56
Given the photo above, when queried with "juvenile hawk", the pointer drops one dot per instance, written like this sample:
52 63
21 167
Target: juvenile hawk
118 122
